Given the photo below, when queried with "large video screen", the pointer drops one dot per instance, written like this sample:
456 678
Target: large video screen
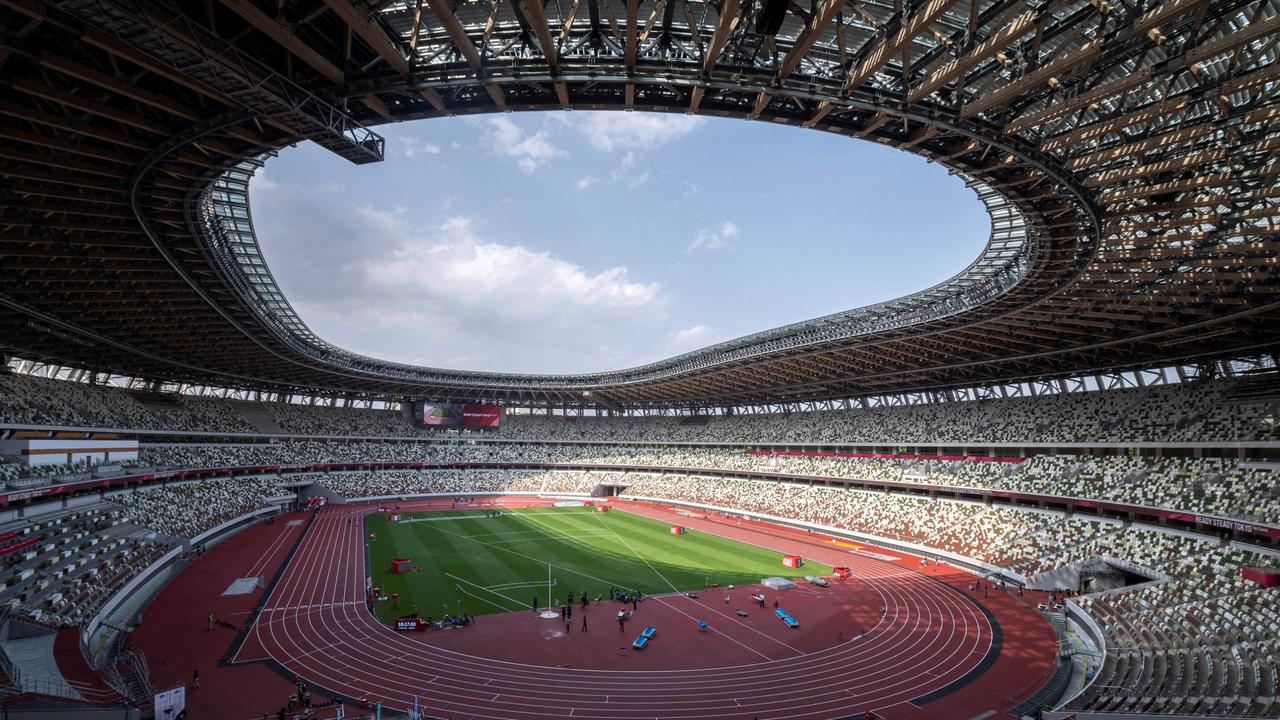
455 415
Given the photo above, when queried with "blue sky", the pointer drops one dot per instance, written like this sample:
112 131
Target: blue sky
576 242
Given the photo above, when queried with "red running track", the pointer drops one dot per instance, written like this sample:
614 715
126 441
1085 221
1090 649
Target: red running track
315 624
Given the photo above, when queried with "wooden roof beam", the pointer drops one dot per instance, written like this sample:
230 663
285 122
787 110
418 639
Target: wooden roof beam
458 36
1243 36
434 98
819 114
1032 79
366 26
817 23
79 102
283 35
1165 140
1021 25
1098 129
1163 13
1084 99
886 47
374 103
532 10
725 25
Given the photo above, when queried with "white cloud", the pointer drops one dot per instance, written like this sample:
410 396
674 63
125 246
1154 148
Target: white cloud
260 181
688 339
625 172
427 148
506 139
609 131
467 293
714 239
585 182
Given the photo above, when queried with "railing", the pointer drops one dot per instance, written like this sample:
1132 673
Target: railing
11 670
134 682
69 690
1026 692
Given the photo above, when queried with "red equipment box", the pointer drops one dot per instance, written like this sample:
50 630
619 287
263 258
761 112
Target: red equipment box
677 529
843 573
792 561
401 565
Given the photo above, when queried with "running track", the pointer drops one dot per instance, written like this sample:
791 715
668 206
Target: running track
315 624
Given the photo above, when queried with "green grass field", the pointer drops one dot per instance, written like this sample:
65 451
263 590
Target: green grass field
478 565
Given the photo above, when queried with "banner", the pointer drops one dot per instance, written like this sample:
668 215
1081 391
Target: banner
171 704
455 415
481 415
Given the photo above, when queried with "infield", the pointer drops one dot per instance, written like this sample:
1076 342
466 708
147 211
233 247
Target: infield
475 562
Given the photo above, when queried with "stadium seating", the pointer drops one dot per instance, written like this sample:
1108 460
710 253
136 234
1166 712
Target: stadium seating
58 571
185 510
1204 641
1206 485
1198 411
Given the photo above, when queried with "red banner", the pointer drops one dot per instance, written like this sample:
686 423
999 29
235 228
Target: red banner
481 415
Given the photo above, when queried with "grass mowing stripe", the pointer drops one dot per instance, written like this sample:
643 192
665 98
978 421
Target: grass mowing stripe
471 560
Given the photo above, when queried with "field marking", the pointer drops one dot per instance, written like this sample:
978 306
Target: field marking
504 597
403 520
482 516
579 573
678 592
468 593
521 584
637 554
536 538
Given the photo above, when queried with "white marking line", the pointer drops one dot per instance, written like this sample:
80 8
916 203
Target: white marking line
446 518
537 538
468 593
637 554
540 561
504 597
516 585
315 606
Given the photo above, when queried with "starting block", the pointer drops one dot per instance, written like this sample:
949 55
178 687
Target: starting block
702 626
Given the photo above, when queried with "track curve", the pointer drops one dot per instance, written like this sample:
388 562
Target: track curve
315 624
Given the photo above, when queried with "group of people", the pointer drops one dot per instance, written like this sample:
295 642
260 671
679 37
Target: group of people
452 621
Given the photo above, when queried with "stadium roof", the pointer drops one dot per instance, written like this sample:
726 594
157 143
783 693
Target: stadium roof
1126 152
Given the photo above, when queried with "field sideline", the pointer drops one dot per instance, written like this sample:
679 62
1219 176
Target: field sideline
477 565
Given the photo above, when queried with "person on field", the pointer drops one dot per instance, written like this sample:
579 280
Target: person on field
584 622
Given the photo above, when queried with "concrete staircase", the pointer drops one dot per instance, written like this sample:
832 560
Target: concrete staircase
258 417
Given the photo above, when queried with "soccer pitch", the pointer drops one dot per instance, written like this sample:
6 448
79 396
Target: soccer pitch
478 565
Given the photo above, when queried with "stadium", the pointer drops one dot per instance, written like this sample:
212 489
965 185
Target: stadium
1044 487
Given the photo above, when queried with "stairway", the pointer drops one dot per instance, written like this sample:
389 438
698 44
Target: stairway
257 416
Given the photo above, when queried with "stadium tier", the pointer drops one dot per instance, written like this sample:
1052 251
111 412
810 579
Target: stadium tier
1044 487
1178 628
